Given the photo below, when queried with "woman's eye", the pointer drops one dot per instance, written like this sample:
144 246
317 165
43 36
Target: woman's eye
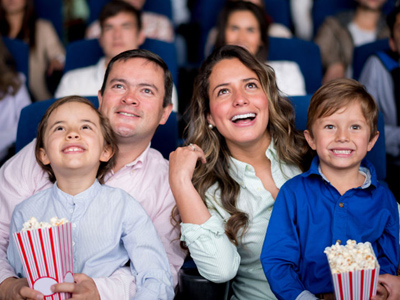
251 85
222 91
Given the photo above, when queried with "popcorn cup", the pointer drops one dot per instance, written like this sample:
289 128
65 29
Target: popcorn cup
47 258
358 284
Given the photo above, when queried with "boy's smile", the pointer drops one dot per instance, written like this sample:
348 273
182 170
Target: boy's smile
341 140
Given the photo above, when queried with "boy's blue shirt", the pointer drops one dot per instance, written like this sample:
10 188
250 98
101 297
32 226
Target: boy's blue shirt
310 214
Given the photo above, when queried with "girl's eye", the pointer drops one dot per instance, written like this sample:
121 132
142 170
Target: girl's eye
58 128
222 91
86 127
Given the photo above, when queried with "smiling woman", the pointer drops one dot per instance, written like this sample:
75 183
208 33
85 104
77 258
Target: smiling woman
247 154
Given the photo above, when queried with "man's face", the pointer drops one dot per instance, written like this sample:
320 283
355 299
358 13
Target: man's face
394 41
120 33
375 5
138 4
133 99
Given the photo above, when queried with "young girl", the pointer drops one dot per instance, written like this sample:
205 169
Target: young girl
75 145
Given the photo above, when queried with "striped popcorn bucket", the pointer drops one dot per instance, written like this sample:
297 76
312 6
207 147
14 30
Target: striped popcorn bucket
357 285
47 258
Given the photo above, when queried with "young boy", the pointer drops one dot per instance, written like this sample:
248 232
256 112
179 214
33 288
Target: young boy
75 145
338 199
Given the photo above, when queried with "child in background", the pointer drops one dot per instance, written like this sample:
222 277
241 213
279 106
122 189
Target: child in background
338 199
76 147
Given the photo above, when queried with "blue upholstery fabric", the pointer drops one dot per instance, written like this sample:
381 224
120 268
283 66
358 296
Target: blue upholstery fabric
20 52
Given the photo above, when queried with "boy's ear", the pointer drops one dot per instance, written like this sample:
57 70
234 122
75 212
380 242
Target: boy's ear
106 154
372 141
309 140
43 157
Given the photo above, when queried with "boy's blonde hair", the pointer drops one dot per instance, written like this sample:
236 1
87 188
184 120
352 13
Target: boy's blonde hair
340 93
106 130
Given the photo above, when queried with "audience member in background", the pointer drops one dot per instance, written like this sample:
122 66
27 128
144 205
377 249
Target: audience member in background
155 26
18 20
121 30
338 36
13 98
136 98
301 12
245 147
273 29
243 23
381 76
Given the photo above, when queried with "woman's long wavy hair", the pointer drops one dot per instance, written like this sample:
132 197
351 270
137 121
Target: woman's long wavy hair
28 26
290 143
9 80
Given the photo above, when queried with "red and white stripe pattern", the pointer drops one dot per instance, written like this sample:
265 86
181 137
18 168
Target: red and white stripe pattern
356 285
47 258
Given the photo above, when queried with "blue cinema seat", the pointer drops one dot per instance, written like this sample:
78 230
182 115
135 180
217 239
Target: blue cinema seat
20 52
84 53
306 54
165 139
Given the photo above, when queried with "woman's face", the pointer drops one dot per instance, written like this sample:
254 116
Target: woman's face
13 6
238 104
242 29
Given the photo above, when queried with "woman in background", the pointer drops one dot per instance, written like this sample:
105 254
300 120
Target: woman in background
18 20
243 23
13 97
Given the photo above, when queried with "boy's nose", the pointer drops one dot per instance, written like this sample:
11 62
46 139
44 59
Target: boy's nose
342 135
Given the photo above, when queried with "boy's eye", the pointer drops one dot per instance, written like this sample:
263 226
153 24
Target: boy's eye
329 126
355 126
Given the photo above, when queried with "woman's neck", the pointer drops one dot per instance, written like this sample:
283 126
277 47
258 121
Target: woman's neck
15 22
254 153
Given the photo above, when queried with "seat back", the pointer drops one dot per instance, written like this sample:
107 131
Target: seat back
164 140
52 11
306 54
377 156
84 53
20 52
361 54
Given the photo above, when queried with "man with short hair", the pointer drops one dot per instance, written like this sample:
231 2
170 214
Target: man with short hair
136 98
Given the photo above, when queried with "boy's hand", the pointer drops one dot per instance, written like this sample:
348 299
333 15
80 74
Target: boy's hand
83 288
392 285
381 293
17 289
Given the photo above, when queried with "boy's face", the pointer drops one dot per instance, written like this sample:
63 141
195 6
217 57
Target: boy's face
73 141
341 140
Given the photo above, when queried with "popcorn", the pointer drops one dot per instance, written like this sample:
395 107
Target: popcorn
46 254
354 269
33 223
351 257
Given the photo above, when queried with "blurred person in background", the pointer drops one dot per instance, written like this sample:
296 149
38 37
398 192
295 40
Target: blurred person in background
18 20
13 98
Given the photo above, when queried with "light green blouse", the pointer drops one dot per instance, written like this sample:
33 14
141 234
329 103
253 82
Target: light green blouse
216 257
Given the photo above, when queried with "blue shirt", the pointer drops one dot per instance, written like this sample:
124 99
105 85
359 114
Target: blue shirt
109 228
310 214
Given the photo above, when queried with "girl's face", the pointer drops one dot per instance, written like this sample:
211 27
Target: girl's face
13 6
242 29
73 140
238 104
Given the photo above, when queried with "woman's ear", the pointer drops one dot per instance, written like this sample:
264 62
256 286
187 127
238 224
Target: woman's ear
107 153
210 120
43 157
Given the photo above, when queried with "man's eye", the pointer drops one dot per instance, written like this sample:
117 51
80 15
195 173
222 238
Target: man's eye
147 91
